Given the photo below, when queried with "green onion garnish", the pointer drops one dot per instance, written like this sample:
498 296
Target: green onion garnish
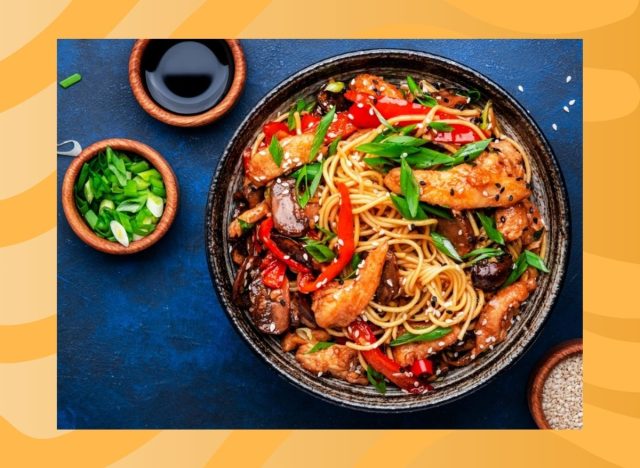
71 80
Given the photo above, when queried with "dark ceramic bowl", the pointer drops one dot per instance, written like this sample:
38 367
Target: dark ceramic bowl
549 194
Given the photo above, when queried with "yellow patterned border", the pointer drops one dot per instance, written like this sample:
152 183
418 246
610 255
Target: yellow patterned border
28 30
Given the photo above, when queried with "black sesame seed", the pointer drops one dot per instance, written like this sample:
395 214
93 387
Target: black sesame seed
497 196
422 182
503 219
451 192
282 302
502 190
535 220
518 179
434 300
498 184
510 197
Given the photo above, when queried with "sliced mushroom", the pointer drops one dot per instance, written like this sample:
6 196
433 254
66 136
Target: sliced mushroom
389 287
458 231
269 308
288 217
326 100
489 274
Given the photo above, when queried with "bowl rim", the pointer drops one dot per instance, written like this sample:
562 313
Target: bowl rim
179 120
539 377
75 219
218 271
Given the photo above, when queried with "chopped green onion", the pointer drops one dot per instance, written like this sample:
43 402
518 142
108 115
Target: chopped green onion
319 346
335 87
405 140
440 126
119 233
333 147
71 80
352 267
377 380
92 218
438 211
489 225
445 246
403 208
320 252
276 151
245 226
321 132
526 258
155 204
535 261
468 152
420 96
428 336
409 187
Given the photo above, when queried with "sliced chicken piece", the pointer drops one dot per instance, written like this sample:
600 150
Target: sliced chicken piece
450 99
292 340
512 221
339 361
337 305
260 167
407 354
520 220
458 230
251 216
495 179
495 319
535 223
374 85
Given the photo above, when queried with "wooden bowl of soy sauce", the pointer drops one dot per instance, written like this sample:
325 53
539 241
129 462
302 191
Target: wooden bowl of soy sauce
187 83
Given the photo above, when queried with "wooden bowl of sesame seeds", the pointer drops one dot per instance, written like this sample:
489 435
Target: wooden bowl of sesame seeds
555 389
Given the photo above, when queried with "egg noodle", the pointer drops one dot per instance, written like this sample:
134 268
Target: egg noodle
424 271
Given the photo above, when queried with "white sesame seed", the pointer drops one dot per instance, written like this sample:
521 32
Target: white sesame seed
568 78
565 108
521 88
572 102
554 126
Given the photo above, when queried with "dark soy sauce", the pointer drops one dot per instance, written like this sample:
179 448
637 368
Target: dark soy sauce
187 77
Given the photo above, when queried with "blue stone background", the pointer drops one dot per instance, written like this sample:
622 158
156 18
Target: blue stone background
142 340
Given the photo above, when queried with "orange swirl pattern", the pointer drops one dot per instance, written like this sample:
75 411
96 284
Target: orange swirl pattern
611 260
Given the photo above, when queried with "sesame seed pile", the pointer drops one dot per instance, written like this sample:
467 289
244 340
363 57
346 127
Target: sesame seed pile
562 394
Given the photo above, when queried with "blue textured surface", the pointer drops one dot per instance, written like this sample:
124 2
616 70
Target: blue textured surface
142 341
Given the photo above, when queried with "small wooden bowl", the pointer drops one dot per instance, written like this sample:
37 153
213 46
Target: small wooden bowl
197 120
77 222
539 377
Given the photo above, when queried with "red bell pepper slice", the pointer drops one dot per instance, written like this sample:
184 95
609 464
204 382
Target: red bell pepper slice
346 246
278 129
362 115
273 271
360 333
355 96
460 134
309 122
264 235
422 366
393 107
341 126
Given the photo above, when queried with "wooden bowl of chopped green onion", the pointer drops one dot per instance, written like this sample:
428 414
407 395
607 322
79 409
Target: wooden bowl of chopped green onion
120 196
